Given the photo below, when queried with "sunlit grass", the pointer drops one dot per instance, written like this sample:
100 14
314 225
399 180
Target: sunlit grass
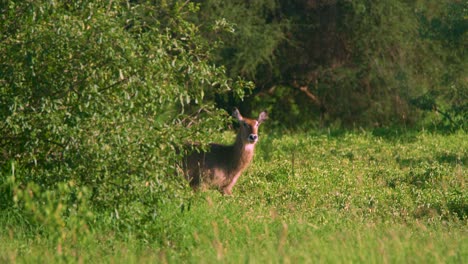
307 198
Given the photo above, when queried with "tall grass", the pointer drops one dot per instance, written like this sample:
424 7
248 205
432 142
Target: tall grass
307 198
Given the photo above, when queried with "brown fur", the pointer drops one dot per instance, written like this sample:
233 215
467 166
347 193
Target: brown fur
220 166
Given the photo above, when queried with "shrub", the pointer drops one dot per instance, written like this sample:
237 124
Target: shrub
96 96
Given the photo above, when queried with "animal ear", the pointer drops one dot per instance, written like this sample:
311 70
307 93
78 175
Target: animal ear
236 114
262 117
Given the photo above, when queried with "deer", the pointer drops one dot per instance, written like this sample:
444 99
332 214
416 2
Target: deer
220 166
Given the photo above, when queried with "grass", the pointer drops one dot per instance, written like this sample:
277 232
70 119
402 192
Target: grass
307 198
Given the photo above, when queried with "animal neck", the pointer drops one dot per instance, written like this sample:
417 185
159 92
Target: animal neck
243 153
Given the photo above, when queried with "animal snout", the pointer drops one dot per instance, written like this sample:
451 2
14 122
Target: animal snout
253 137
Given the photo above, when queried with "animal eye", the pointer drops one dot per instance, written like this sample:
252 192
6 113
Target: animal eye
245 124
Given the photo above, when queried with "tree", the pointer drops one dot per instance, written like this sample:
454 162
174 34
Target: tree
444 27
345 62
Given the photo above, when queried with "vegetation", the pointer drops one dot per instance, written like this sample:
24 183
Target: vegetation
348 63
96 97
349 197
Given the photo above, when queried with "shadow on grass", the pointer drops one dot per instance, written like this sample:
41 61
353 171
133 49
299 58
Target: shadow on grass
452 158
396 134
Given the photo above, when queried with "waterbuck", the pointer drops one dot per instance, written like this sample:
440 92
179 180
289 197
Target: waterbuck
220 166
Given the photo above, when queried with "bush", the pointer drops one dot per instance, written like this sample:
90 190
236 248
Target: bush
96 96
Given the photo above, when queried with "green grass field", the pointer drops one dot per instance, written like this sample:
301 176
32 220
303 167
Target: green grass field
354 197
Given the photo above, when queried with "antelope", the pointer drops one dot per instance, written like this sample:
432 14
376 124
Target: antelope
221 166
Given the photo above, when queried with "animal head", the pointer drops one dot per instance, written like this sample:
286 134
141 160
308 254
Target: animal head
248 130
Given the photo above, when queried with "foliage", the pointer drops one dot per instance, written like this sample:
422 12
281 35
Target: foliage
446 31
97 96
347 63
94 98
256 33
